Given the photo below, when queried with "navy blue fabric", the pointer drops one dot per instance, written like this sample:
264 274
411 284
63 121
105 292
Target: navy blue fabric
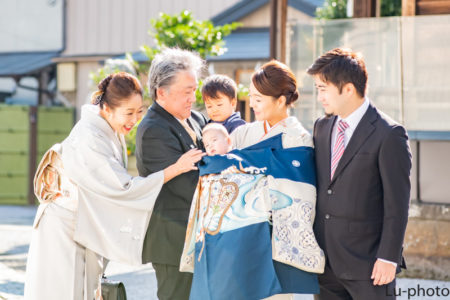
280 163
233 122
275 142
238 264
226 271
294 280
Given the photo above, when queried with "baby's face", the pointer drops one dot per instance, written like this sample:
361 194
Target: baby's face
216 142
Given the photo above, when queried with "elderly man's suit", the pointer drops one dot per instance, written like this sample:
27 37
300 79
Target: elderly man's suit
160 141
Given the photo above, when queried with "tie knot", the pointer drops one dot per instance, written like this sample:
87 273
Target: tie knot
342 126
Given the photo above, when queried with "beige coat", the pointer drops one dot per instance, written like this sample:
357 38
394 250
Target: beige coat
98 210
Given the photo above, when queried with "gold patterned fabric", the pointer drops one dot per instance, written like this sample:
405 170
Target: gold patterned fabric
47 180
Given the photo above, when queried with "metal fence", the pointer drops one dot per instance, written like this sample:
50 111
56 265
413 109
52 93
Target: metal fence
408 60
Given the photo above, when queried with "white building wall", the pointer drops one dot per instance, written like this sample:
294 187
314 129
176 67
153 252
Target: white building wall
261 17
31 25
117 26
84 87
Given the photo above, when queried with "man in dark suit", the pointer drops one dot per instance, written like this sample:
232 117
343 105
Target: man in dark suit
168 130
363 164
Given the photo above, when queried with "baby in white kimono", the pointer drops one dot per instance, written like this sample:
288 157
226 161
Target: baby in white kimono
216 139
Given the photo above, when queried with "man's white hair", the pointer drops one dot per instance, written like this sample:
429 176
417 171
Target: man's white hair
166 65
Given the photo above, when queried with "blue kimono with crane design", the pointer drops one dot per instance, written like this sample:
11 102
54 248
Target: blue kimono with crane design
250 231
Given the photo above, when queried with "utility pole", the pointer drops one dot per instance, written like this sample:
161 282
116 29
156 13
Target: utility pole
365 8
278 20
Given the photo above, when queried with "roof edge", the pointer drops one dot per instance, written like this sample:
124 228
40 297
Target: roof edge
237 11
303 6
31 52
246 7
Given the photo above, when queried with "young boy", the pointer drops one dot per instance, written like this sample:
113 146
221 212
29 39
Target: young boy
216 139
219 93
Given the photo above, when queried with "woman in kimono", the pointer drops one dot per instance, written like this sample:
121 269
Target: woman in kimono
90 206
273 90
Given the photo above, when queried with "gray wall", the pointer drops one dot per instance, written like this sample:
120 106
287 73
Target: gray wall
31 25
118 26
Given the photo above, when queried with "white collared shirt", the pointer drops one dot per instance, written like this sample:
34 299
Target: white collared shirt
352 120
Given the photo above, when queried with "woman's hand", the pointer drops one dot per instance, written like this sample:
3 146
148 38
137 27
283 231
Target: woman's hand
187 161
184 164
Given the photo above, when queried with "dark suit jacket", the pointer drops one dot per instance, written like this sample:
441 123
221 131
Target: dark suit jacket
362 212
160 141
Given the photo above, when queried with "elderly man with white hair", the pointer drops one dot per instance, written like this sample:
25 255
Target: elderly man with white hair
169 129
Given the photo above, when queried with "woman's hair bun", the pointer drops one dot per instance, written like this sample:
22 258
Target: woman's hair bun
275 79
294 97
103 85
116 88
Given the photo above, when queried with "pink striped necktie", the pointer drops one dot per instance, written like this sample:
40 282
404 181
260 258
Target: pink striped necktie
339 146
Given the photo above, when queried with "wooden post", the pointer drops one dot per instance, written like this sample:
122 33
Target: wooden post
43 79
32 152
364 8
283 24
377 8
278 20
408 8
273 28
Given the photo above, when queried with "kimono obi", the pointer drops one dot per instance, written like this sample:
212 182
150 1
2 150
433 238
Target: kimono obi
50 183
250 225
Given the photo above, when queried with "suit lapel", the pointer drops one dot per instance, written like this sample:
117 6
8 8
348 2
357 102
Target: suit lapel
362 132
181 131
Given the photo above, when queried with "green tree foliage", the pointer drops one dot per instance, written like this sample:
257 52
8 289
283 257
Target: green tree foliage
185 32
337 9
332 9
242 92
391 8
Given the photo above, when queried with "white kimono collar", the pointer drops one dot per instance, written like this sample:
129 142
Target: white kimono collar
91 114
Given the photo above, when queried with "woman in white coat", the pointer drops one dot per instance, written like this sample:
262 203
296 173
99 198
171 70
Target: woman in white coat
90 206
273 90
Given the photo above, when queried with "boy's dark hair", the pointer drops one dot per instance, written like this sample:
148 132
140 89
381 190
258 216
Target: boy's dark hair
341 66
215 84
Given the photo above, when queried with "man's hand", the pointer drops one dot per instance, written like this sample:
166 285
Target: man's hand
383 272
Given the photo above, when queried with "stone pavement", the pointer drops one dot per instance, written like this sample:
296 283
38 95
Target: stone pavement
140 282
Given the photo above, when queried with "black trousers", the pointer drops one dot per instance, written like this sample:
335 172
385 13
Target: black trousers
333 288
172 284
